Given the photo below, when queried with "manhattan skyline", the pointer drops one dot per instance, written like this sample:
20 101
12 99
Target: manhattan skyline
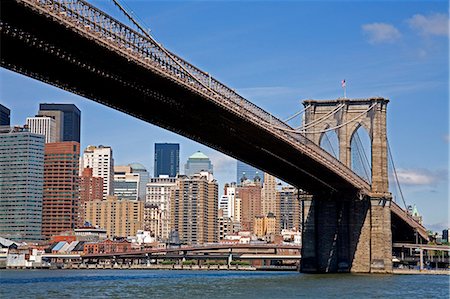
276 54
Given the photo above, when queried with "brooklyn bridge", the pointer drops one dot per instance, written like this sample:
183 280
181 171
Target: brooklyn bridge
351 221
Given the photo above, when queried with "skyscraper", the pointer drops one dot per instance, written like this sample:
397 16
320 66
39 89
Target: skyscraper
194 211
197 163
247 171
68 120
4 116
21 184
250 196
44 125
60 201
100 159
269 195
167 159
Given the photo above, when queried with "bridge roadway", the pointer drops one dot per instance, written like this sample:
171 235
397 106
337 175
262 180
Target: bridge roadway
74 46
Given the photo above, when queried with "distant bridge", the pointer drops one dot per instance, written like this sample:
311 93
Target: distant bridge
75 46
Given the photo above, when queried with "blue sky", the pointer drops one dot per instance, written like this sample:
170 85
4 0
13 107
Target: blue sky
278 53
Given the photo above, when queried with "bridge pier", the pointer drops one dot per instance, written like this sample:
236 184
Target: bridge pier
344 234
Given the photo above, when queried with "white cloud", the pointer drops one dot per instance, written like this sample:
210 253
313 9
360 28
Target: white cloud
381 33
420 176
435 24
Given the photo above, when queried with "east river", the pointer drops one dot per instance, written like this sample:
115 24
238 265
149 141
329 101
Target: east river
214 284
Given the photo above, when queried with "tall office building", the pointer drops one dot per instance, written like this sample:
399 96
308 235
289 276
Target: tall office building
197 163
250 196
159 199
288 209
246 171
167 159
5 115
130 181
21 184
60 201
194 211
269 195
120 217
90 189
44 125
68 120
100 159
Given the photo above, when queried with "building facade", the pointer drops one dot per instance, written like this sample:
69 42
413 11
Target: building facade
21 184
43 125
5 116
250 200
68 120
100 159
90 189
167 159
288 209
160 194
130 181
269 195
194 211
120 218
60 199
197 163
265 225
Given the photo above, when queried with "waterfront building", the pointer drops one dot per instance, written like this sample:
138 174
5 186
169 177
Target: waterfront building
130 181
197 163
68 120
100 159
107 246
90 189
167 159
21 184
43 125
194 209
288 209
160 194
5 116
90 234
60 198
249 194
269 195
120 218
245 171
265 225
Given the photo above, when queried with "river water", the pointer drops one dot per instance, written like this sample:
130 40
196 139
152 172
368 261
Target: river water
214 284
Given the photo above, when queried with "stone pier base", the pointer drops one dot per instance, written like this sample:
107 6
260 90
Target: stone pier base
344 234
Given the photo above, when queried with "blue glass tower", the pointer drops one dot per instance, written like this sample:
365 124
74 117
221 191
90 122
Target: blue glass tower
4 116
167 159
248 171
70 121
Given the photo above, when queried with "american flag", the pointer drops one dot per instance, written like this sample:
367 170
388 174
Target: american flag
343 83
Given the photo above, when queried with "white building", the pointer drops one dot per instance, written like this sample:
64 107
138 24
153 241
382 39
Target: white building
100 159
130 181
159 191
43 125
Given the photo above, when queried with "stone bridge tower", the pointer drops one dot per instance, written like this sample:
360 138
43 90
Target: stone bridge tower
344 232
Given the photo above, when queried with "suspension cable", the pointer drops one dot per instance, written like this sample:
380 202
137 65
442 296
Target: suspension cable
369 165
296 114
321 119
395 173
358 149
331 146
169 54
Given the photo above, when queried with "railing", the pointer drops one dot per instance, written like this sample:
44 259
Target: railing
88 19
